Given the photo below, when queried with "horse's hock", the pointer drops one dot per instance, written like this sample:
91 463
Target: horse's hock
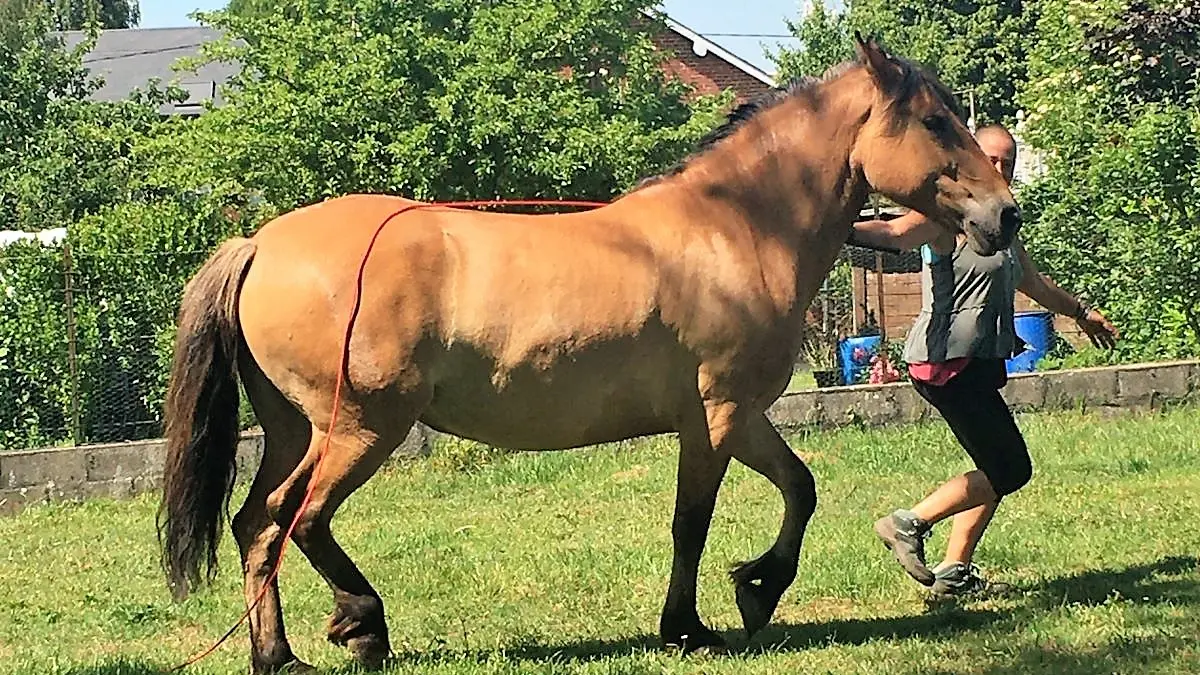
123 470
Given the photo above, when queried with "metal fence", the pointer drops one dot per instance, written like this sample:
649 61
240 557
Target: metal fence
85 336
85 342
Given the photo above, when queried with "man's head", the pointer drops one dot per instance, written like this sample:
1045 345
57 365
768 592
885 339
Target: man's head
1000 147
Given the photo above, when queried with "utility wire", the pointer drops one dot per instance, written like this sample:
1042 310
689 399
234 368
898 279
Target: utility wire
752 35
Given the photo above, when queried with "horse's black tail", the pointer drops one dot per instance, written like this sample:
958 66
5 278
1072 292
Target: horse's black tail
201 416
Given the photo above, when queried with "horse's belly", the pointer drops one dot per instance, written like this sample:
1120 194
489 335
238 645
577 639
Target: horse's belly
570 403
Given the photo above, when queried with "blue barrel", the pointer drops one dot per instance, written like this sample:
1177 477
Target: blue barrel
856 353
1037 329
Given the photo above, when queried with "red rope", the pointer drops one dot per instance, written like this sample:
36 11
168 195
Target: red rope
337 388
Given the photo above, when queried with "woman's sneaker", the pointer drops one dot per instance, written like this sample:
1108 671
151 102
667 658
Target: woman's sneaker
957 580
904 534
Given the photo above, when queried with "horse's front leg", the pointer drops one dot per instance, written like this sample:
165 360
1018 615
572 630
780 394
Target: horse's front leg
701 469
760 583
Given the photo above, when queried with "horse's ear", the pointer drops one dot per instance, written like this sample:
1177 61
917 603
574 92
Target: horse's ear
886 72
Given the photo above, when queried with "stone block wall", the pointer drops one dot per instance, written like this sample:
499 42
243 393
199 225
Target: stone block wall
126 469
118 469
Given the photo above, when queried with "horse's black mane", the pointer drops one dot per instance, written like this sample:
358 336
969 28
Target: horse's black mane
744 112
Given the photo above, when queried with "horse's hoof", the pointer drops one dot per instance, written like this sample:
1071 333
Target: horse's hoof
371 651
757 605
698 641
293 667
758 586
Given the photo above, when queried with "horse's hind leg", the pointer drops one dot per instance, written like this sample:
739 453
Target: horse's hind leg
355 454
760 583
285 438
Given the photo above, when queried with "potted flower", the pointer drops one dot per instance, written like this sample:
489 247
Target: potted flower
821 357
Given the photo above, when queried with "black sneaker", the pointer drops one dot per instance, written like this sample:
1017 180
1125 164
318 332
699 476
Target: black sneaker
904 534
957 580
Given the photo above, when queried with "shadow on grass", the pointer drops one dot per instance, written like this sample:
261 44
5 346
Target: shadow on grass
1150 583
1090 588
1138 584
1111 657
1095 587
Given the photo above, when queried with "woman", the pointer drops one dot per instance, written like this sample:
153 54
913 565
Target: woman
956 351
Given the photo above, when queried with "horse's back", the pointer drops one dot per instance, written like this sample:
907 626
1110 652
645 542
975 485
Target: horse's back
533 331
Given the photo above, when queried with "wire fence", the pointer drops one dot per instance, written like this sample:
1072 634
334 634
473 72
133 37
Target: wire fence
86 336
85 339
85 342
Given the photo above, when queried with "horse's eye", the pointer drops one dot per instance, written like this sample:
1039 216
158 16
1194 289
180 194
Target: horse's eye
938 124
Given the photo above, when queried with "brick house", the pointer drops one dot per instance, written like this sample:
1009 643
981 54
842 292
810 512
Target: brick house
707 66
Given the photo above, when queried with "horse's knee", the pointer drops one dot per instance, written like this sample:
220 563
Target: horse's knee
310 525
283 502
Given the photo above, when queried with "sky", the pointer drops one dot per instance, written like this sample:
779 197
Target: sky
711 18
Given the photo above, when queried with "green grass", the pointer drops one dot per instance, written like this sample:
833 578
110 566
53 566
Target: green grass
802 380
557 563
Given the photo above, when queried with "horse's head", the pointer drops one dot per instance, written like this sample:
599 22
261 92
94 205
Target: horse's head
915 149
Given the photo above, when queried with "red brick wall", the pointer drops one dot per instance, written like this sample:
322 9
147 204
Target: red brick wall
709 74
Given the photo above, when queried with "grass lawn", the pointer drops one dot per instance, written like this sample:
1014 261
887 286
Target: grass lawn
802 380
557 563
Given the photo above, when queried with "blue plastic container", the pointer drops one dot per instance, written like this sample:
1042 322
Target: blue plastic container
1037 329
856 353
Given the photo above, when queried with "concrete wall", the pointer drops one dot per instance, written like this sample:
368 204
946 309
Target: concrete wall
1145 386
125 469
118 469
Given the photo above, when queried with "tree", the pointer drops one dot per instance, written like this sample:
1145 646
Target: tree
1157 49
69 162
1113 100
76 14
825 40
439 100
61 154
249 7
980 45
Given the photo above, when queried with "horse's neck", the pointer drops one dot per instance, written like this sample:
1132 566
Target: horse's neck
791 183
794 174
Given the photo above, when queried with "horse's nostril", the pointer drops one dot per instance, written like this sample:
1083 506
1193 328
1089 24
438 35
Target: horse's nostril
1010 219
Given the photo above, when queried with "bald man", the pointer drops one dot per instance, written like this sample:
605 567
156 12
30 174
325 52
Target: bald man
956 352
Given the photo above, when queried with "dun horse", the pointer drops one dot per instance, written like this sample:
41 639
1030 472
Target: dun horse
676 308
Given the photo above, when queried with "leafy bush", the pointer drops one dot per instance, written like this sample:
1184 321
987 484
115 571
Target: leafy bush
447 100
970 45
35 405
1117 214
128 266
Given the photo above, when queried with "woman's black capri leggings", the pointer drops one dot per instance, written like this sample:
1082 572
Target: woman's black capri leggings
981 421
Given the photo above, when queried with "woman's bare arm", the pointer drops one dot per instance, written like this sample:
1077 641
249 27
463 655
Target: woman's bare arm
1042 290
903 233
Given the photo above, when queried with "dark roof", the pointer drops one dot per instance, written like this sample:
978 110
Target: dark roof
127 59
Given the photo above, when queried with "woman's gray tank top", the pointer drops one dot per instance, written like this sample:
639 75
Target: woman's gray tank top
966 307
